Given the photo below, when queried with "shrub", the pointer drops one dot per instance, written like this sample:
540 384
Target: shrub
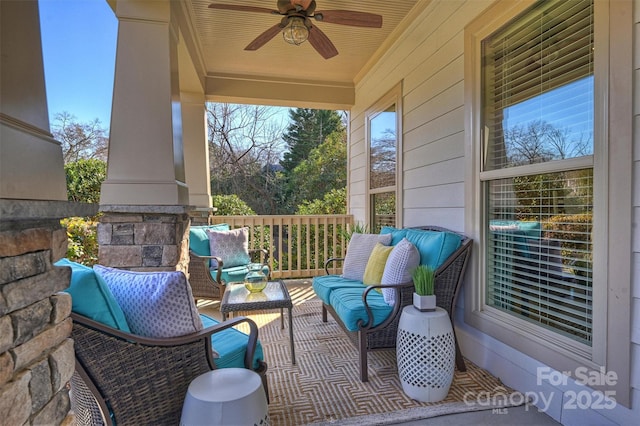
84 179
82 240
333 202
231 205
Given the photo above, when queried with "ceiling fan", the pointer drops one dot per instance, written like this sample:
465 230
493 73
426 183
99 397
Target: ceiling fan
296 25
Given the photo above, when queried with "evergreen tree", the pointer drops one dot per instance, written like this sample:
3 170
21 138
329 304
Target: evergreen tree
324 170
308 129
84 180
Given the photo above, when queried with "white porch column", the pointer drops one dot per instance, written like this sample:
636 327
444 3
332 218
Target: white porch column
146 163
144 200
196 149
31 165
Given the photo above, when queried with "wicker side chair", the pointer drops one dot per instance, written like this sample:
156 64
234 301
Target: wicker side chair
124 379
205 285
449 277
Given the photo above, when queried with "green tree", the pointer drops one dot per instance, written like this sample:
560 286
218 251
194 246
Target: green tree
333 202
308 129
324 170
231 205
245 144
84 179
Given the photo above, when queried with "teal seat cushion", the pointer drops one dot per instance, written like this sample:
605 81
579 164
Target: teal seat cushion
92 298
531 229
231 345
235 273
435 247
199 240
324 284
347 302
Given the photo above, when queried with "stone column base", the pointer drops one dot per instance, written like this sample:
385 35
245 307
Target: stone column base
144 238
202 216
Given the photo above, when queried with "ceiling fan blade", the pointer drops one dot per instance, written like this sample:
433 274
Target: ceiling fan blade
350 17
321 43
263 38
242 8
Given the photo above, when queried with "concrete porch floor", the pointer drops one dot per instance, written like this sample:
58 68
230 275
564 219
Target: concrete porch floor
513 416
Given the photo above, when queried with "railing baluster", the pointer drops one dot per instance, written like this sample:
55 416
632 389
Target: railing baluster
293 253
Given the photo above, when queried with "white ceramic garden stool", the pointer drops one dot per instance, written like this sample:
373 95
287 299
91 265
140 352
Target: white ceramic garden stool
426 353
226 396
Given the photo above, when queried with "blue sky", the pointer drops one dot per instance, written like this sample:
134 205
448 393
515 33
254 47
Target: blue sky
79 46
79 49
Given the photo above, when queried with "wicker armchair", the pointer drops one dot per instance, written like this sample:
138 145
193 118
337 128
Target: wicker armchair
449 276
127 379
204 285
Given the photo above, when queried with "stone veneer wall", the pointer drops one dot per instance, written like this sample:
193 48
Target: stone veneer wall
201 216
144 238
36 353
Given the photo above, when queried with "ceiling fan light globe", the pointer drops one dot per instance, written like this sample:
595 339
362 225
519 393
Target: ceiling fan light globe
296 31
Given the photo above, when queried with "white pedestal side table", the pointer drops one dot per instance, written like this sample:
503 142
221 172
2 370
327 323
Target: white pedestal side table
226 396
426 353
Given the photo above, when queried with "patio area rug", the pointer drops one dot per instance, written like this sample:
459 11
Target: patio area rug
324 386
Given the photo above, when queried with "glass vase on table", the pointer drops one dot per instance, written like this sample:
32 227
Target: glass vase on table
256 280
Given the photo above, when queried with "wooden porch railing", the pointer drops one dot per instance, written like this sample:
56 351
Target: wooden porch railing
299 245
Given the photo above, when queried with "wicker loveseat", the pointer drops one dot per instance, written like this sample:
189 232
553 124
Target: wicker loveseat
369 322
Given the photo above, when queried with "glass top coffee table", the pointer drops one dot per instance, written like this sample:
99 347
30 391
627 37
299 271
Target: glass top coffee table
275 295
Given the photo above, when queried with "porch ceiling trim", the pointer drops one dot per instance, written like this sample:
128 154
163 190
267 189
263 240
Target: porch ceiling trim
278 92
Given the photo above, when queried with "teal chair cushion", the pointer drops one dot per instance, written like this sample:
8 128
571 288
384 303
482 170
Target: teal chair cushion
235 273
231 346
199 240
92 298
396 234
323 285
531 229
347 302
435 247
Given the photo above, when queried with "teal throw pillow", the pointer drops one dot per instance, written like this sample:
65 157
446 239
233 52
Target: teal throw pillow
91 298
198 239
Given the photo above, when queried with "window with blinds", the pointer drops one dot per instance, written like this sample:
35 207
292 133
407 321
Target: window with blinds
537 171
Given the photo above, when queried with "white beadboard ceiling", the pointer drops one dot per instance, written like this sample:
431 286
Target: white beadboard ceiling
223 34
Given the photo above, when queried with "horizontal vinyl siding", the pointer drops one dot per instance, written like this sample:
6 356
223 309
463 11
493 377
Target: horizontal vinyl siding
635 305
429 61
429 151
441 173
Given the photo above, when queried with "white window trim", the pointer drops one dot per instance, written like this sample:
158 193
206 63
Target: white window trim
611 347
393 96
